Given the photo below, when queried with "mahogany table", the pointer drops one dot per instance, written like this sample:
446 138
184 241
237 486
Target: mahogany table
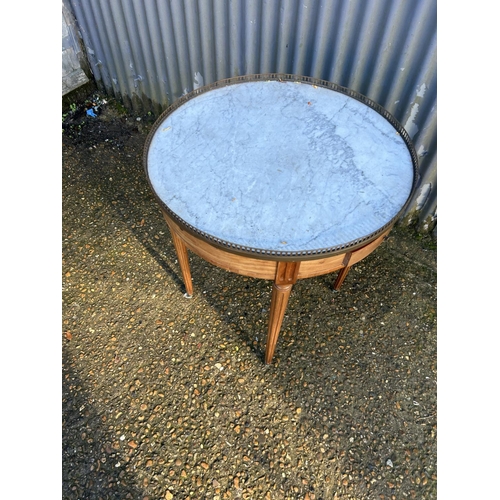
279 177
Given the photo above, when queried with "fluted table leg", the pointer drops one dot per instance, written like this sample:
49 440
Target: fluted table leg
340 278
343 272
183 258
286 276
279 301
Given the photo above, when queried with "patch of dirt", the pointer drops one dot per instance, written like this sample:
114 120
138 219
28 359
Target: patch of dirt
99 119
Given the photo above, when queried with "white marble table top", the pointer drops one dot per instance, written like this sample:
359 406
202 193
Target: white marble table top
280 166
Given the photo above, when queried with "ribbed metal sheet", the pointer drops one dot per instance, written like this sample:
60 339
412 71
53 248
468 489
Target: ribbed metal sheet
148 53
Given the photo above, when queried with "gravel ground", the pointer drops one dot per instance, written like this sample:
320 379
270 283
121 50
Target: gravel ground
169 398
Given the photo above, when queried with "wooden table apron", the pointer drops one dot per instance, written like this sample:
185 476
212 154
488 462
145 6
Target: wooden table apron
269 265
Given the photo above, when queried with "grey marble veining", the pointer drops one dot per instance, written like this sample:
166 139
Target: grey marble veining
280 166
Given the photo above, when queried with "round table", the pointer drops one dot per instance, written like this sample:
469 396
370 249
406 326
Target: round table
279 177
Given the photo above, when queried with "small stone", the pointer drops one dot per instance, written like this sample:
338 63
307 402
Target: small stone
169 496
132 444
204 465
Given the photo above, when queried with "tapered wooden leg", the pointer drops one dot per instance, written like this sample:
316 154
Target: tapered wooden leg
343 272
341 277
182 255
286 276
279 301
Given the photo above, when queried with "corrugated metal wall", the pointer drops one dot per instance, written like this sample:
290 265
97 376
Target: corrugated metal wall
148 53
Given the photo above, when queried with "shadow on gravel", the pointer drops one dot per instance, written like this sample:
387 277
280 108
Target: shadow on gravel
94 461
118 180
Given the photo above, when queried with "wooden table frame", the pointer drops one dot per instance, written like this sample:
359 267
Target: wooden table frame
284 274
